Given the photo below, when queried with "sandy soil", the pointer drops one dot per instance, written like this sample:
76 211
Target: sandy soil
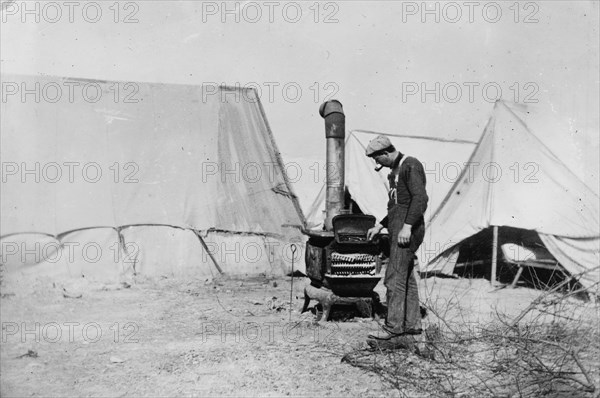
230 337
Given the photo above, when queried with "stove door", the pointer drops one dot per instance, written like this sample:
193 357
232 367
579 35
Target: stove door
352 228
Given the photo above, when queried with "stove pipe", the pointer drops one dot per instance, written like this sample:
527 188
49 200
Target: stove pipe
335 133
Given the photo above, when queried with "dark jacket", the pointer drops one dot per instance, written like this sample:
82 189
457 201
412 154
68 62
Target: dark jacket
407 189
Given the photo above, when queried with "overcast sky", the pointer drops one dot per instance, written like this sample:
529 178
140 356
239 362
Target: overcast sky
376 57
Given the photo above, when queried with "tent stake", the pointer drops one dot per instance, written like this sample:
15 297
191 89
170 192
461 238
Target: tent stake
494 255
293 246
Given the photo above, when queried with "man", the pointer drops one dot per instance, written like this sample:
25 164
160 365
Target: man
406 226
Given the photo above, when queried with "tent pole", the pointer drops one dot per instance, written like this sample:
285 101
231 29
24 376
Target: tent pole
494 255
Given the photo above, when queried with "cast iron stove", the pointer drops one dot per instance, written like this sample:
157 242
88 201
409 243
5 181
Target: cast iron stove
344 267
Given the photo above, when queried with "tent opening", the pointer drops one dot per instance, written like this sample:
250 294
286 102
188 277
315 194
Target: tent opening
517 248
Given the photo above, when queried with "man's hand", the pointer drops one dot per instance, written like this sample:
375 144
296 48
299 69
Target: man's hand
372 232
404 235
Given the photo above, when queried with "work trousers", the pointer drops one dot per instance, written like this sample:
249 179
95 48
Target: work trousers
403 311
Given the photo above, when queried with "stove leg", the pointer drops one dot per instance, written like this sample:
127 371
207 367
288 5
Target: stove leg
375 305
364 306
306 301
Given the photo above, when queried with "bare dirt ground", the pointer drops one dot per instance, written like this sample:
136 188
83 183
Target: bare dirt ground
233 337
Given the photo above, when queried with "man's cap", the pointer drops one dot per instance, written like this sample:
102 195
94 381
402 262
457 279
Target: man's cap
378 144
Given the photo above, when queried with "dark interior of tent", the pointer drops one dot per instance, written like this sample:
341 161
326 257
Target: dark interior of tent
475 259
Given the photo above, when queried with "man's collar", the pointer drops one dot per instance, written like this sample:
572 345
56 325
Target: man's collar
397 160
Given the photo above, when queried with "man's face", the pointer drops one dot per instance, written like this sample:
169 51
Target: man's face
384 159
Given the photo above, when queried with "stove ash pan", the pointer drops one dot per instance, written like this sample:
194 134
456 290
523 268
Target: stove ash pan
343 260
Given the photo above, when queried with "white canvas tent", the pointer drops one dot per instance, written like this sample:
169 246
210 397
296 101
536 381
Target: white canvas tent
107 178
516 181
